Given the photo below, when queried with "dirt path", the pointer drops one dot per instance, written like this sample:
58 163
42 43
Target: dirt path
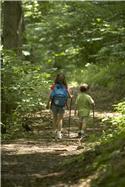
36 159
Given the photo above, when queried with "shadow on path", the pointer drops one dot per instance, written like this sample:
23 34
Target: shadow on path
39 160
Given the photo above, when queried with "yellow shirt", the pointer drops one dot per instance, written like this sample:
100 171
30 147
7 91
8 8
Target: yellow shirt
84 104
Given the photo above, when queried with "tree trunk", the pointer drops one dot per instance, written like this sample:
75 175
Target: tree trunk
12 25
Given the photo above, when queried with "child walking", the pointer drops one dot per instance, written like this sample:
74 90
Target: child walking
84 104
58 101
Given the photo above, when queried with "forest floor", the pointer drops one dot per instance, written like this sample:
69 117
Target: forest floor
37 159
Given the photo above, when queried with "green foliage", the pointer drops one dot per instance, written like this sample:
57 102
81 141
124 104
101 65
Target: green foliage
120 119
83 39
67 36
103 163
116 124
109 78
120 107
112 173
24 88
66 33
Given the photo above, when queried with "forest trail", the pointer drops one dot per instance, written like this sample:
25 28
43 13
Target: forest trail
38 159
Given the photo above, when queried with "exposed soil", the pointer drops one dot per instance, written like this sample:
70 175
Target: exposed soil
36 159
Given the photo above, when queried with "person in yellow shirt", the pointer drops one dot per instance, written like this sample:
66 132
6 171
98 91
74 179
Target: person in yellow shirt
84 104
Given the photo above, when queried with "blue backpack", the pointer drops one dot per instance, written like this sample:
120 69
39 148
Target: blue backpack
59 95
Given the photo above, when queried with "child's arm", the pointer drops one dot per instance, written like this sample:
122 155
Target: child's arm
48 104
92 103
69 94
49 101
70 97
93 106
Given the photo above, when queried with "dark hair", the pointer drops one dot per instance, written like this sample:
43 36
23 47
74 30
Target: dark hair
84 87
60 78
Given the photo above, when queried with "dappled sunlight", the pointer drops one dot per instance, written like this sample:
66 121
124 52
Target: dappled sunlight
19 149
51 162
38 175
107 114
78 45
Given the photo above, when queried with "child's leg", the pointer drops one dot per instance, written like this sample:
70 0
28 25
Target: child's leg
82 126
60 122
55 116
55 121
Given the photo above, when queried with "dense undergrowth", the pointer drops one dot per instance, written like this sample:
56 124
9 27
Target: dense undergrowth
85 40
103 163
25 87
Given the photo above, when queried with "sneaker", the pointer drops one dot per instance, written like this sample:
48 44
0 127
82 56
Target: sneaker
59 135
80 135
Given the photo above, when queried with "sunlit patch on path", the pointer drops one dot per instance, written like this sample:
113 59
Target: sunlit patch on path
37 158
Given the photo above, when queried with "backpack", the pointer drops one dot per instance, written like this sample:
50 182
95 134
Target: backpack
59 95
